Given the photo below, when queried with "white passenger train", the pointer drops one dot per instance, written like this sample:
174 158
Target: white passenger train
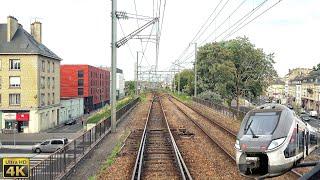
272 139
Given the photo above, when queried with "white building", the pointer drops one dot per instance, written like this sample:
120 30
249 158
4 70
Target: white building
70 109
120 83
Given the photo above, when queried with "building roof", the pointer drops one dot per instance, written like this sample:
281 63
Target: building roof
22 43
278 81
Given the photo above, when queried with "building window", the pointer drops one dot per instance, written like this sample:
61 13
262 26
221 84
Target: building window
53 67
53 98
43 66
14 99
80 82
14 81
42 82
14 64
42 99
53 83
48 82
80 91
49 99
80 74
49 69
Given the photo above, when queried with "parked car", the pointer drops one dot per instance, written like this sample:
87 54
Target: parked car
50 145
305 117
71 122
313 113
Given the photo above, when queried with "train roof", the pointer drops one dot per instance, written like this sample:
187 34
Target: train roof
271 106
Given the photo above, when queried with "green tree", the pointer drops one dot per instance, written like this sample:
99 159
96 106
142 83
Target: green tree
130 87
186 81
316 68
234 69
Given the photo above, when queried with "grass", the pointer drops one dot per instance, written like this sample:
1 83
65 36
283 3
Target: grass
182 96
92 178
143 97
106 111
112 157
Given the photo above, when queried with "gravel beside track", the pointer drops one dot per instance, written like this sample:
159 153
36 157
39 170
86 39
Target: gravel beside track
232 124
123 166
225 139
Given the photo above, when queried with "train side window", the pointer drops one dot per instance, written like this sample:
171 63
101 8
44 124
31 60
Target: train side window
301 141
290 151
313 139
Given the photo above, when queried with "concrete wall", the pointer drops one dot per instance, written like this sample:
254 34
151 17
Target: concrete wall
71 109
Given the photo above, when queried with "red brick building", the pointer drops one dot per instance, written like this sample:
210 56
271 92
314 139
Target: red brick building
91 83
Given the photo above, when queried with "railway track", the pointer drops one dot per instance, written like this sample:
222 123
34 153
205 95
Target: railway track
214 140
158 156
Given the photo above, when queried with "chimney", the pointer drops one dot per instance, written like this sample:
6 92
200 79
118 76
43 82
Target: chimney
36 31
12 26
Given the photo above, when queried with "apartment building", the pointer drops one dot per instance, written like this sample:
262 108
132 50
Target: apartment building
276 91
91 83
29 79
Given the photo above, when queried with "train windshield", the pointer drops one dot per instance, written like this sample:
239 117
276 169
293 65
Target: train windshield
262 123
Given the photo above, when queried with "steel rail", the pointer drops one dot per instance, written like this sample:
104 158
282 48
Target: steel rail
138 164
229 131
182 166
184 172
212 139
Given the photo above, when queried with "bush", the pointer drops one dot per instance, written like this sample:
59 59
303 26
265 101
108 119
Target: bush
211 96
106 111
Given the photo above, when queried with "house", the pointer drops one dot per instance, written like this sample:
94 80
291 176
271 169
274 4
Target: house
29 79
71 109
88 82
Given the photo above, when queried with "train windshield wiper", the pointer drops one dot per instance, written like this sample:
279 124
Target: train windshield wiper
246 129
253 134
249 128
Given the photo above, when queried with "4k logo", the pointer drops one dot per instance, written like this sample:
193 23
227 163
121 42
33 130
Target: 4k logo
16 167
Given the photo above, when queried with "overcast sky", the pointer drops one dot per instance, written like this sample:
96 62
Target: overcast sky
79 31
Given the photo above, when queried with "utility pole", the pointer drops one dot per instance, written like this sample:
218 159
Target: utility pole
137 73
195 69
113 65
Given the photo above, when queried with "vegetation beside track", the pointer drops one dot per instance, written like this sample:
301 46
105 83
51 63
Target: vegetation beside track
110 159
106 111
182 96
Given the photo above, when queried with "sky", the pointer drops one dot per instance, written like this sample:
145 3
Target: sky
79 31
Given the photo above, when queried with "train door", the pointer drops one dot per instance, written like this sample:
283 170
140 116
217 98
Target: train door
301 140
307 143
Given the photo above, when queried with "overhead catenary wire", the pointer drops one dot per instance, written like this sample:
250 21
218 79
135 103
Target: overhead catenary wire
138 25
225 20
230 34
224 5
143 52
186 49
128 45
241 21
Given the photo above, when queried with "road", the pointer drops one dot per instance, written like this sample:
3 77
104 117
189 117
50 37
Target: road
314 122
69 131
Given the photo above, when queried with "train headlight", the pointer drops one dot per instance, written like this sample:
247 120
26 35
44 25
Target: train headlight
237 144
275 143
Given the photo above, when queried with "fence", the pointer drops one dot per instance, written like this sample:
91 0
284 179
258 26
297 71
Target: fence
227 111
61 161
